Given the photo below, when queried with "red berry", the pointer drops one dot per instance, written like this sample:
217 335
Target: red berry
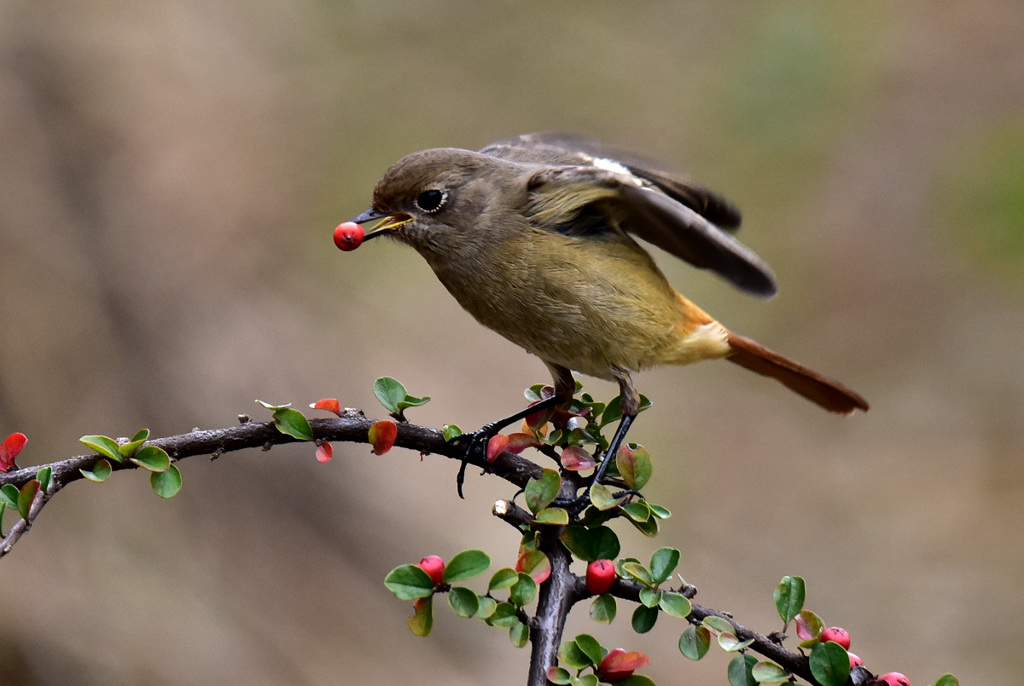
894 679
348 236
836 635
600 576
434 567
855 661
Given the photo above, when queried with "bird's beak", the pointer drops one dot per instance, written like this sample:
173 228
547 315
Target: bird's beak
385 222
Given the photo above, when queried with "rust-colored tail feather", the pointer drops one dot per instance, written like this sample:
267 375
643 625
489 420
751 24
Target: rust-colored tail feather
831 395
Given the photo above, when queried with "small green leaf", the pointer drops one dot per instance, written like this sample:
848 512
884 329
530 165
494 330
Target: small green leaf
648 528
789 597
558 676
409 582
585 680
808 628
152 458
166 484
663 563
389 392
463 601
634 465
485 606
541 492
503 578
273 408
659 511
590 647
601 497
9 496
675 605
293 423
644 618
504 615
638 572
450 431
718 625
519 634
422 619
830 664
466 565
730 643
597 543
129 448
636 680
25 497
523 591
739 670
695 642
603 608
650 597
571 656
637 511
100 471
44 475
103 445
947 680
552 515
768 673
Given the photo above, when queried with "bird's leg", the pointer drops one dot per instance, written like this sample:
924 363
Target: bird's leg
565 388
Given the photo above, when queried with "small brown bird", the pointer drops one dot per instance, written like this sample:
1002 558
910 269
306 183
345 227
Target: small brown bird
534 238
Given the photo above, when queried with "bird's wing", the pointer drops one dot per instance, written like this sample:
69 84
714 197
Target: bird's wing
563 149
598 199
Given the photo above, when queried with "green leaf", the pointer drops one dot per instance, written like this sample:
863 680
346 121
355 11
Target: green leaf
729 642
947 680
166 484
585 680
830 664
572 656
293 423
636 680
44 475
663 563
638 572
466 565
650 597
541 492
409 582
552 515
675 605
129 448
768 673
273 408
463 601
603 608
100 471
695 642
103 445
739 670
519 634
422 619
503 578
389 392
649 528
485 606
789 597
597 543
25 497
152 458
559 676
718 625
450 431
601 497
637 511
523 591
808 628
634 465
659 511
644 618
504 615
9 496
590 647
613 412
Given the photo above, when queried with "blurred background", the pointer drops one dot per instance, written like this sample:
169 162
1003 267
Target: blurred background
170 175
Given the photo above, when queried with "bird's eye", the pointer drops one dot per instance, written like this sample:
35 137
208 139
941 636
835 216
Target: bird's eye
430 201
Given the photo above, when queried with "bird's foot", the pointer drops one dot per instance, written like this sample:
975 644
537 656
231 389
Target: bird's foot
475 444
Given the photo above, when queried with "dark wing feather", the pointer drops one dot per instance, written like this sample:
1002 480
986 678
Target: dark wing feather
563 149
646 211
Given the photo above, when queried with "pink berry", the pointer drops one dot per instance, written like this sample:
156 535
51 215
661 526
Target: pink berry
348 236
434 567
855 661
836 635
600 576
894 679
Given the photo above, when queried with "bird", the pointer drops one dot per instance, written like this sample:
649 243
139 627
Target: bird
536 237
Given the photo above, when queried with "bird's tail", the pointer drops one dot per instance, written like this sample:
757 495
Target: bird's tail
831 395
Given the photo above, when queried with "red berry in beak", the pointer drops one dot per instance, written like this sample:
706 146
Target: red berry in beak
348 236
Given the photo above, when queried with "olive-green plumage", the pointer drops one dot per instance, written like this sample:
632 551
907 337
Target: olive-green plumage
534 238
